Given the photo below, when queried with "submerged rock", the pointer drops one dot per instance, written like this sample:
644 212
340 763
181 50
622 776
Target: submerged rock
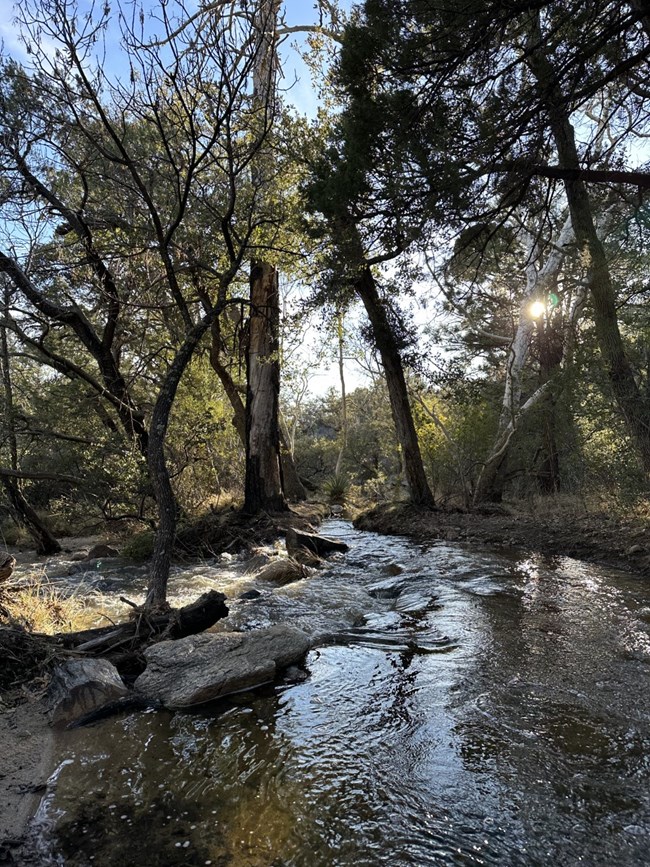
202 668
81 686
389 589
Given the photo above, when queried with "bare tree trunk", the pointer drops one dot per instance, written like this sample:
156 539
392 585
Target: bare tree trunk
419 491
263 491
25 515
632 403
293 488
491 480
263 485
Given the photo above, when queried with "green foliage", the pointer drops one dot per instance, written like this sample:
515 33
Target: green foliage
337 488
139 547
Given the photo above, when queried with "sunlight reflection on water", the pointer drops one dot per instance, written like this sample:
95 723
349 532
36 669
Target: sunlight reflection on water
526 742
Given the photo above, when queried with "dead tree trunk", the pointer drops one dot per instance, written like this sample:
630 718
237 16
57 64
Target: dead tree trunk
263 488
491 481
292 487
263 484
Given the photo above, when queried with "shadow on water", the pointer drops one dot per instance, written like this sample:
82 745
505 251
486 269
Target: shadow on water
475 709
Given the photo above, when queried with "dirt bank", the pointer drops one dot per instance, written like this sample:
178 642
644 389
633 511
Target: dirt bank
27 756
595 537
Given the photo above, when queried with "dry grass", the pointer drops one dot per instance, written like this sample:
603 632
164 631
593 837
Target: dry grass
38 605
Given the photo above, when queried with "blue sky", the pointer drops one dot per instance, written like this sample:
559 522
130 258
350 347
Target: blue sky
296 75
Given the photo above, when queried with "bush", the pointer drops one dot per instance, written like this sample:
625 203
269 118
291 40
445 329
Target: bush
337 488
140 546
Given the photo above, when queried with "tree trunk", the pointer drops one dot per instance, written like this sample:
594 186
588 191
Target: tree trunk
23 513
491 481
344 404
263 488
163 491
28 518
263 485
292 487
419 491
631 401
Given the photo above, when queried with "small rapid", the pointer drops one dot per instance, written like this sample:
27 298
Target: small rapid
463 707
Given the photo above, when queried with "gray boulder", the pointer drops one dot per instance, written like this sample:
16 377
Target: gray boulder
81 686
101 550
201 668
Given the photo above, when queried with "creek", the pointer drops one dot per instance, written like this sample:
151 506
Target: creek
482 708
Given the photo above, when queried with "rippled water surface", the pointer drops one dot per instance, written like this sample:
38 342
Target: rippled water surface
476 709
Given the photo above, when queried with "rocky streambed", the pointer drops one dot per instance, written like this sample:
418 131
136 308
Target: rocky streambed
458 706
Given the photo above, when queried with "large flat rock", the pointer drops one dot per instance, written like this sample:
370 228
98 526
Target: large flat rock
201 668
80 686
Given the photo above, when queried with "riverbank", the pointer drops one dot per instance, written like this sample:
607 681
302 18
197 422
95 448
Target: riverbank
549 528
28 754
27 742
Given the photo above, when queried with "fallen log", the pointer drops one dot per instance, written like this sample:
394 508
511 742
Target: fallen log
176 623
25 653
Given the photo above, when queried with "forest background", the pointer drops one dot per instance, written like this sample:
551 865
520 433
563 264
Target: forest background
182 248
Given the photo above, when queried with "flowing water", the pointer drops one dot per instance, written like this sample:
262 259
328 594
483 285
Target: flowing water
478 708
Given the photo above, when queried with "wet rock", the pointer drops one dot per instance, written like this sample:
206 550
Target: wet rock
282 571
295 674
202 668
79 555
250 594
101 550
319 545
81 686
387 589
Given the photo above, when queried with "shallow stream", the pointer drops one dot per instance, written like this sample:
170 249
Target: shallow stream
479 708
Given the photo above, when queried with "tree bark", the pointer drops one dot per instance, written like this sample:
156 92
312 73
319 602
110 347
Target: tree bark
292 487
634 408
23 513
163 491
263 486
419 491
492 478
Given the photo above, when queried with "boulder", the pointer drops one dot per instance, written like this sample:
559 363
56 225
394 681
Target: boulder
78 555
281 571
319 545
202 668
101 550
81 686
